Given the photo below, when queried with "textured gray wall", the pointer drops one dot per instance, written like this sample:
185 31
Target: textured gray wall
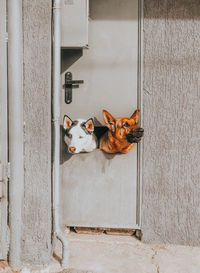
36 244
171 172
3 130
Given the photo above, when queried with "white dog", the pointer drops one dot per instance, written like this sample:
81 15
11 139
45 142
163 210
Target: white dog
79 135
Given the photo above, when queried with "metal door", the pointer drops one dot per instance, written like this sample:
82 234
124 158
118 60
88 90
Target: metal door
3 132
100 190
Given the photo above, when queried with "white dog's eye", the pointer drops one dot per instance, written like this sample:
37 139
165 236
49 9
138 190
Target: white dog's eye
68 135
80 136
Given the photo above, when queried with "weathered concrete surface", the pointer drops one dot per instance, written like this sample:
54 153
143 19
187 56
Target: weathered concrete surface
5 268
175 259
36 244
123 254
171 173
106 253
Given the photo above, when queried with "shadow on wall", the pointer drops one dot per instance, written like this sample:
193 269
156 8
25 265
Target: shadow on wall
69 57
179 9
103 10
64 155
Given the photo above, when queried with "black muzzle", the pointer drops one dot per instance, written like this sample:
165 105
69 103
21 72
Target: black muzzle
135 136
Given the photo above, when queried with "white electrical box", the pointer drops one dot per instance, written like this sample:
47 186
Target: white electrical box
74 18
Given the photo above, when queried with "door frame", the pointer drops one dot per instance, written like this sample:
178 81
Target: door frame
140 106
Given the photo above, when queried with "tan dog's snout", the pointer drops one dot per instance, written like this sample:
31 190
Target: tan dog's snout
135 136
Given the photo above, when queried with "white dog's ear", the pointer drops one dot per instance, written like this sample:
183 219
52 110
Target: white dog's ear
67 122
89 125
109 120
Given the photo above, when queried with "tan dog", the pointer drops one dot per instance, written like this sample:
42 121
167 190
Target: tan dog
123 133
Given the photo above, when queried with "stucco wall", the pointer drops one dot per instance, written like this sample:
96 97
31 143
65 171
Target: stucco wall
171 172
36 244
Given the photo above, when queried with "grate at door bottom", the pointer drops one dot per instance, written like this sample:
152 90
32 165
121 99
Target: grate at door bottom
110 231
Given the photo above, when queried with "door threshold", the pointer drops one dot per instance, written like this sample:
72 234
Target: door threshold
109 231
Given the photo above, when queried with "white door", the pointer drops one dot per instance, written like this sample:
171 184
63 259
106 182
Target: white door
3 132
100 190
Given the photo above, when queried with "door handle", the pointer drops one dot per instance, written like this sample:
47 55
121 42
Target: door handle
69 85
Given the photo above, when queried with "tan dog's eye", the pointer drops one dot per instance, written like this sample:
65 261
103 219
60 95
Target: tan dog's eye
80 137
126 124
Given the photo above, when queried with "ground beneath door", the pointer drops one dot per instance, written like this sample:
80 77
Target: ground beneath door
122 254
5 268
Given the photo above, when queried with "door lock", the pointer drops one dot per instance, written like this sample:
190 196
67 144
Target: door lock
69 85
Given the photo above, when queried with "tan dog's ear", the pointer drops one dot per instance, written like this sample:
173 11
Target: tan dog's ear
135 116
89 125
109 120
67 122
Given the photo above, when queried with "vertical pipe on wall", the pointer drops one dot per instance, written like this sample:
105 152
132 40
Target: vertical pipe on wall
15 87
56 132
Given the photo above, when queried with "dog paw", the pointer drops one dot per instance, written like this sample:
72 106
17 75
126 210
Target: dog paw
135 136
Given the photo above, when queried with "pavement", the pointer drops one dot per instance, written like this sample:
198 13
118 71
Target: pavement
121 254
125 254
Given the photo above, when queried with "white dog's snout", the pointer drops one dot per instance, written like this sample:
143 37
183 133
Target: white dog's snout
72 149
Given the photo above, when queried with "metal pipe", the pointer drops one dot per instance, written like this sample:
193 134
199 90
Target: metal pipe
56 131
15 89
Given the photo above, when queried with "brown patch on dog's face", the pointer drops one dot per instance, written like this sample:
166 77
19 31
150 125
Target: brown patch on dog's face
124 126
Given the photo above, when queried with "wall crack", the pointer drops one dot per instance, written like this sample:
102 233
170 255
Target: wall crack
154 261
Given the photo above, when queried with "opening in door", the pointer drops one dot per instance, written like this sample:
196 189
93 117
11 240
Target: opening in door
98 189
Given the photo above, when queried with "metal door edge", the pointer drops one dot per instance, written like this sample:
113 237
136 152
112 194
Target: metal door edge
140 106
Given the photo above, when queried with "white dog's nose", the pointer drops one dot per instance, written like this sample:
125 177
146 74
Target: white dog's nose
72 149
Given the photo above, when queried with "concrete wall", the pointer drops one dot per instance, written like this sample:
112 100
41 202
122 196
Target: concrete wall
36 244
3 132
171 173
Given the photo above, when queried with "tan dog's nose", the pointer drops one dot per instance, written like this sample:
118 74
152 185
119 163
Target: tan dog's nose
72 149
